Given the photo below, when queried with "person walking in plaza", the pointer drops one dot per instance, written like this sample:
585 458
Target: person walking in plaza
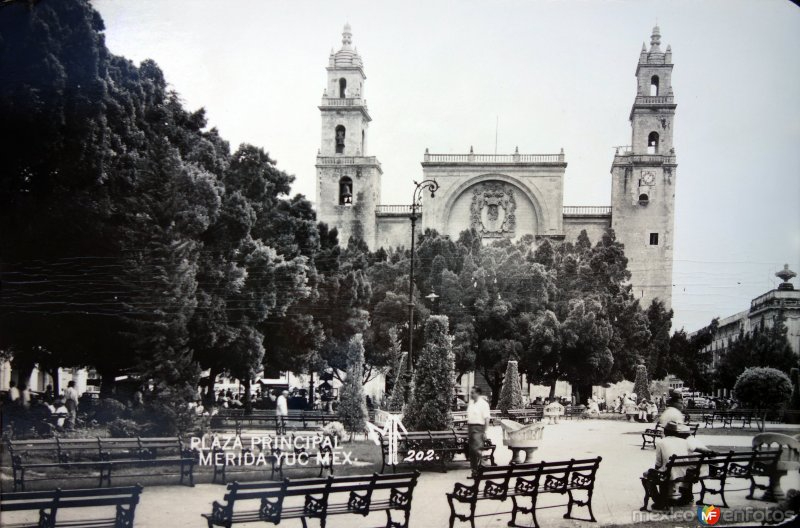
478 415
282 411
71 403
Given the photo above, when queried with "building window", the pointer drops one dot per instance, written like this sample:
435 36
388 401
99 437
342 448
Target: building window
644 199
653 239
652 143
340 131
345 191
654 85
342 88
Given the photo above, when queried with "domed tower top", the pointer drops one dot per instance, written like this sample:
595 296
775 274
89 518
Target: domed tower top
655 40
347 56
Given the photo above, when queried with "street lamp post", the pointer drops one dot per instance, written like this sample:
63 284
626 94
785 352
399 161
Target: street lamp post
416 202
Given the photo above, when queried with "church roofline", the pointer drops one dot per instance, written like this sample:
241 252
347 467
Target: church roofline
494 159
584 211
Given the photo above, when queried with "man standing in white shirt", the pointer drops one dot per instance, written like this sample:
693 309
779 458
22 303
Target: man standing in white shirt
71 403
477 422
282 410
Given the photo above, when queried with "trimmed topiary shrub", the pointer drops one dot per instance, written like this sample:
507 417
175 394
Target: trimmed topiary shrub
352 405
434 380
511 393
397 399
763 389
641 385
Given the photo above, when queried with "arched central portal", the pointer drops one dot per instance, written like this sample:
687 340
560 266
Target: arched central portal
495 209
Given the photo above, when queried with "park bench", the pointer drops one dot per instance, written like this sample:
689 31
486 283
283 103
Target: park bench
649 436
574 412
101 455
526 416
727 418
571 478
258 419
720 468
426 447
50 502
460 417
316 498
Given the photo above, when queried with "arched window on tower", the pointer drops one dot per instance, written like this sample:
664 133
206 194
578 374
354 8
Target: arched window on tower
654 85
340 131
342 88
652 143
345 191
363 136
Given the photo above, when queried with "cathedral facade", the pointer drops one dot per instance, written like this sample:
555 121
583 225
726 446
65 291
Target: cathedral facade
508 195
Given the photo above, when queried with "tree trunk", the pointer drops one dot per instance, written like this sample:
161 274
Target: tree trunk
248 405
552 389
212 380
56 382
107 383
311 391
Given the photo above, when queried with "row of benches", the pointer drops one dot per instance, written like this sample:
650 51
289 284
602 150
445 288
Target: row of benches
319 498
100 455
535 414
711 471
238 419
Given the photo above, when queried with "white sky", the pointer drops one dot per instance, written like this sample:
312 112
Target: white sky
554 73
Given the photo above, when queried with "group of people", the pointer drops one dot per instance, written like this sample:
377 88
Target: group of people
62 410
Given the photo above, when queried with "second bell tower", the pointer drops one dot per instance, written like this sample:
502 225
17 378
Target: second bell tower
643 179
348 180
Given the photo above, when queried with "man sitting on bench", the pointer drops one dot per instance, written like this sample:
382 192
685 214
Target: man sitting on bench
677 441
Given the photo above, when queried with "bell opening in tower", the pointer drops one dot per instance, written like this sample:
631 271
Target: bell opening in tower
345 191
654 86
652 143
340 132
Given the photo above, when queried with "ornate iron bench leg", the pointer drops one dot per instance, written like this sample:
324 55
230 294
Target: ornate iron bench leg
647 487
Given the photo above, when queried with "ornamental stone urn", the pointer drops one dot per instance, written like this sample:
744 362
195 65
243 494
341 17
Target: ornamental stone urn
522 440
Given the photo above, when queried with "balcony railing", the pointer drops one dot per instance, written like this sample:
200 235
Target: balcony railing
347 160
348 101
395 209
642 159
655 99
494 158
587 210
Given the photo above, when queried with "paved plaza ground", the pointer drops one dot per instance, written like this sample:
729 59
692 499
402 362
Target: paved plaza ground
617 498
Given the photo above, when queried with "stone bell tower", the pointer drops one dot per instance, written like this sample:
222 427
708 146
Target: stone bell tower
348 181
643 178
